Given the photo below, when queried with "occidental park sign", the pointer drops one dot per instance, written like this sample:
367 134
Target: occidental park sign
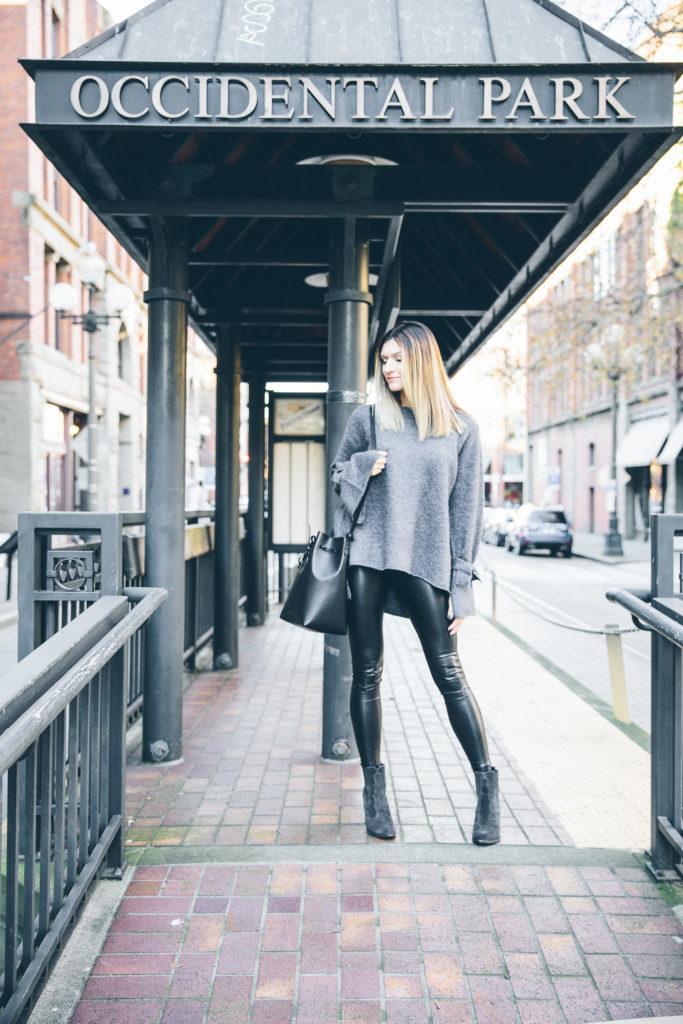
463 98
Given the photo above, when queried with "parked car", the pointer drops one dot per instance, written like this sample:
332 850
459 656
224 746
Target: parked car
496 526
535 528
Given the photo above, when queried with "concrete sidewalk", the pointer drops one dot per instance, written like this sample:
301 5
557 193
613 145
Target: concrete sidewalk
591 545
256 895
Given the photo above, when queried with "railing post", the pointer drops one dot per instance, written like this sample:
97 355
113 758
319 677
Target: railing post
118 674
665 698
191 611
255 547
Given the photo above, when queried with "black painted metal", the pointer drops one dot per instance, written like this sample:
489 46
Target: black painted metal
116 553
348 313
227 578
72 794
663 616
165 491
255 519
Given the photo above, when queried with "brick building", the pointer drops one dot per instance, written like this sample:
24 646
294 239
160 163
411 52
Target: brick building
604 343
44 359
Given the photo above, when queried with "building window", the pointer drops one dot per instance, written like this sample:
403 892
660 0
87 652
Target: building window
513 465
56 36
124 355
55 434
62 330
604 268
591 456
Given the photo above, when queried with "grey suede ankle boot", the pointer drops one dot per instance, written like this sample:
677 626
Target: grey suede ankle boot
486 830
377 814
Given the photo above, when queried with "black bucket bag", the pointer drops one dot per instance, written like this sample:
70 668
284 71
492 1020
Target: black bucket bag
317 598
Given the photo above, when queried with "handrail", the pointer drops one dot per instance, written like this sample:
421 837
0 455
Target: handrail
29 726
63 770
653 618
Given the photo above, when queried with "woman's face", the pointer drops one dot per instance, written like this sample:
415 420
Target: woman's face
391 356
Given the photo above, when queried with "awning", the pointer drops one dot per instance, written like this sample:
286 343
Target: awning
642 441
674 443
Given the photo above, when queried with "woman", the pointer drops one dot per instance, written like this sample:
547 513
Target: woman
412 551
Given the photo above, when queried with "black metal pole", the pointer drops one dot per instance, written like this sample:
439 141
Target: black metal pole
227 571
612 544
90 327
167 301
348 301
255 542
665 710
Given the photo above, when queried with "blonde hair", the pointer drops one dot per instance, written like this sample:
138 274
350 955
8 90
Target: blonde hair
425 384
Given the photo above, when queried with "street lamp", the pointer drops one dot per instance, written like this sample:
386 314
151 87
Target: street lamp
605 357
91 270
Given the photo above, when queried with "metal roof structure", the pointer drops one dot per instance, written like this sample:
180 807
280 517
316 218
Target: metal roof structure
475 141
439 32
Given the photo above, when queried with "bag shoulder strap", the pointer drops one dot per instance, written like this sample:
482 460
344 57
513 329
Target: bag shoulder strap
373 445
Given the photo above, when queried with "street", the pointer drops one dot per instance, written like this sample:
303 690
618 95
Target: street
571 591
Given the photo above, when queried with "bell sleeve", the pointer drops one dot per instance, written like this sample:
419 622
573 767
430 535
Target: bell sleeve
465 513
350 471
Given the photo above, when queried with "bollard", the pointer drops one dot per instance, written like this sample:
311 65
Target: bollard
617 675
493 597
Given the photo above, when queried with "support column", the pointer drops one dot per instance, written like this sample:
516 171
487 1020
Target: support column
227 536
167 301
348 301
255 552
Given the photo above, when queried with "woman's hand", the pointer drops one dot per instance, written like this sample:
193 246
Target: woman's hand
453 624
379 464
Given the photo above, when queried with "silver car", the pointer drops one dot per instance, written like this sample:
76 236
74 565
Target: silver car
537 529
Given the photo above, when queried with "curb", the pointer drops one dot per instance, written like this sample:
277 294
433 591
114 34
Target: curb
64 987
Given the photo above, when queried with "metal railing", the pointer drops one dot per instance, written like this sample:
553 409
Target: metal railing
661 613
62 765
70 559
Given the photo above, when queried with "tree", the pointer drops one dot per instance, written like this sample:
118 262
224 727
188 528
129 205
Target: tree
648 24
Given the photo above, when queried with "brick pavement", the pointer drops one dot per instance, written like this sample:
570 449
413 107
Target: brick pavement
258 897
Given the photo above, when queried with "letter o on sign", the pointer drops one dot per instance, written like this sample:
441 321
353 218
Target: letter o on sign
76 90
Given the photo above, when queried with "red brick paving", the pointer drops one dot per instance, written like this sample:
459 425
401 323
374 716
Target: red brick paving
357 943
293 955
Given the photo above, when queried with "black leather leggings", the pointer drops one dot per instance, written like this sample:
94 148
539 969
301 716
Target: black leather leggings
427 608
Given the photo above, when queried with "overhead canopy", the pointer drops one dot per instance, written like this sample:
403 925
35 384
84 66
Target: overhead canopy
642 441
479 141
673 446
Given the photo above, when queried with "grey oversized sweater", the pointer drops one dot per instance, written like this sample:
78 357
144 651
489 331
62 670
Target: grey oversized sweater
422 514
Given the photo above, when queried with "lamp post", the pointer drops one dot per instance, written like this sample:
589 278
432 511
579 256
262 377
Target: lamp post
604 356
612 544
91 270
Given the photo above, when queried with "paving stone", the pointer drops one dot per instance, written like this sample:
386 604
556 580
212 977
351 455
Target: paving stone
115 1011
192 975
184 1011
452 1011
364 941
528 976
493 1000
580 1000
